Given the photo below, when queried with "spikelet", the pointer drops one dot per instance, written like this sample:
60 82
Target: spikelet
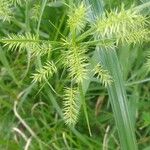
19 2
137 36
27 41
6 11
71 106
41 49
76 62
35 11
124 26
20 41
77 17
45 72
103 75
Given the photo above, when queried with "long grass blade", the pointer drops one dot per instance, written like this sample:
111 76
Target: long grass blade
117 92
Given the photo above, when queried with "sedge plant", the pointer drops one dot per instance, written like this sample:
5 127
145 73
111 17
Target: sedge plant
75 50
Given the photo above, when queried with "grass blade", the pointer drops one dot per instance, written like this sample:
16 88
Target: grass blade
4 61
117 93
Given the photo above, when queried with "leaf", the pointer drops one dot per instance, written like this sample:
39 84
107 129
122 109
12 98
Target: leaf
5 62
117 94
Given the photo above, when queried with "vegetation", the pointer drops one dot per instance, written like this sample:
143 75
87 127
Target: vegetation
74 75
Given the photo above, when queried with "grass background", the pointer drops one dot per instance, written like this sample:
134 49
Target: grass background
40 107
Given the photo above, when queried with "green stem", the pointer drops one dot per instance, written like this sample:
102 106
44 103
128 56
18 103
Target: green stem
41 14
138 82
85 34
100 42
30 40
85 108
39 65
27 17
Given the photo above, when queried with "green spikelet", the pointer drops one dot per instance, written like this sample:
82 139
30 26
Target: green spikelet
137 36
27 41
103 75
19 2
41 49
6 11
71 106
77 17
125 26
45 72
35 11
20 41
76 62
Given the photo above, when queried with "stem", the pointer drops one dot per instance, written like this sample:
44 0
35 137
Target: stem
30 40
85 34
85 108
41 14
27 17
100 42
138 82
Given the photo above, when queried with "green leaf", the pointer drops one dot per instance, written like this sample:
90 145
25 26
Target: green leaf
5 62
117 93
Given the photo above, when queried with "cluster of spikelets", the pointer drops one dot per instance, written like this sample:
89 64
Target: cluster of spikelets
45 72
77 17
103 75
27 42
125 26
75 60
7 9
